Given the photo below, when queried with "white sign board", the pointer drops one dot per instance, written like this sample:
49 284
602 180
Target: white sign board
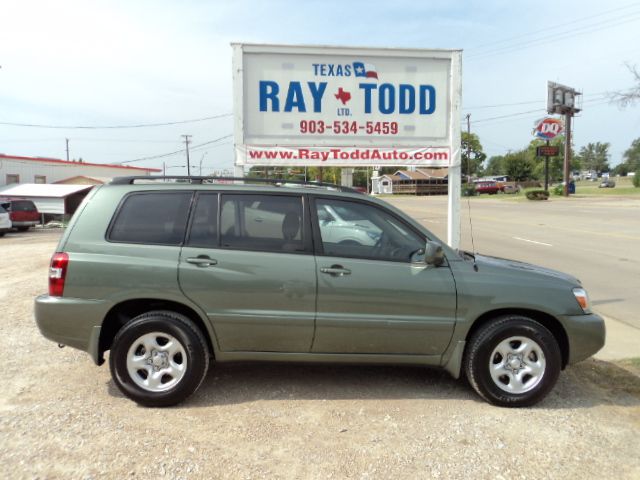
335 106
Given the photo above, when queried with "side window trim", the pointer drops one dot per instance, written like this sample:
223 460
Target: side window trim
192 213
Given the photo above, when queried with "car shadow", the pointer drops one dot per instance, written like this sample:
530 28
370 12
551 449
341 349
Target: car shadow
585 385
606 301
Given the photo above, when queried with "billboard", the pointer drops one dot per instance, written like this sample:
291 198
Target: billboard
348 107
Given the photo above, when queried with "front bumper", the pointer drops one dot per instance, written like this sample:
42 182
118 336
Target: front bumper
74 322
586 335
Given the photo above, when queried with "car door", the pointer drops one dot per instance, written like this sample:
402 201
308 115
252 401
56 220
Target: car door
371 297
248 263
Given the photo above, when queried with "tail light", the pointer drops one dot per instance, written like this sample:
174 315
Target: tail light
57 273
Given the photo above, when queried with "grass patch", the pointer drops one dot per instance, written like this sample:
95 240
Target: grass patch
623 187
632 365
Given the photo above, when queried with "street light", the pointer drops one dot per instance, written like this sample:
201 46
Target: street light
201 158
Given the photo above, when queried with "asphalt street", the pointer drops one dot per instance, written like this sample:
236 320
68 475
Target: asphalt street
595 239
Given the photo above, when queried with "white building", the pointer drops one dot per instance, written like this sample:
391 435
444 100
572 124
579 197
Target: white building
17 169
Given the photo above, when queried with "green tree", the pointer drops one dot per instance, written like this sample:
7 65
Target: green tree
621 169
472 154
495 165
595 156
632 156
518 166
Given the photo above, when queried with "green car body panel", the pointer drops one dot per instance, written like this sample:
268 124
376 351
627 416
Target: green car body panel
255 305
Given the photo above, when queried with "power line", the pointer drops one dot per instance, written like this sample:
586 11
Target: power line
101 127
555 27
556 37
530 102
163 155
507 116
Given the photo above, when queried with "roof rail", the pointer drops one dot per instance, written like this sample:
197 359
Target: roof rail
278 182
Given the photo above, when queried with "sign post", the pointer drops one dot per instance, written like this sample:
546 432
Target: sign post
547 129
349 107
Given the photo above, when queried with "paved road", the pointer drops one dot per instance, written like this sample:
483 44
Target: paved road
597 240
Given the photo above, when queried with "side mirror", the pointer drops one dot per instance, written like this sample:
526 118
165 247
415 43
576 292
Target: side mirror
433 254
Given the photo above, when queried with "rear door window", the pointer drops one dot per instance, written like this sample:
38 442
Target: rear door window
262 222
155 218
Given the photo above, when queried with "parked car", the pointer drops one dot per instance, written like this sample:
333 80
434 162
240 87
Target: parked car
23 213
169 277
511 188
489 187
5 222
607 183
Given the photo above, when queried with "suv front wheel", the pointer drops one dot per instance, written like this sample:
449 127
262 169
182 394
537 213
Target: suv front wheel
159 359
513 361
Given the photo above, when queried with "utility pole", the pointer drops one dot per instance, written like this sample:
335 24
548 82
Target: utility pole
67 142
187 140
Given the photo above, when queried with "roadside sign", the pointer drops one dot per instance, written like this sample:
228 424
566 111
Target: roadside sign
548 128
346 107
547 151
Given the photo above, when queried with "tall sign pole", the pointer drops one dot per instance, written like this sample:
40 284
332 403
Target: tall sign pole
454 179
567 152
561 100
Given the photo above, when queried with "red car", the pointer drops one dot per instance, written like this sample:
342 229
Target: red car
489 187
23 213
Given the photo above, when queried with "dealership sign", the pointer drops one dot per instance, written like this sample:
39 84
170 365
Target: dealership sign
548 128
335 106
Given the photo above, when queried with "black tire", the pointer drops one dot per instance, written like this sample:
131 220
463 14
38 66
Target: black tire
174 386
2 234
531 376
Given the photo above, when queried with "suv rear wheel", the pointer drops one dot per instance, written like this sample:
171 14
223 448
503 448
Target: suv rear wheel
159 359
513 361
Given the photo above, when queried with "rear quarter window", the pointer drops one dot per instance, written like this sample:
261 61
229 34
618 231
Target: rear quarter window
23 206
158 218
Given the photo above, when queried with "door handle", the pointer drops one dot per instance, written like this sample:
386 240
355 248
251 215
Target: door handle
336 270
202 261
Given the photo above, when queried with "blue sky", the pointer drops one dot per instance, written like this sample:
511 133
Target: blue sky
125 62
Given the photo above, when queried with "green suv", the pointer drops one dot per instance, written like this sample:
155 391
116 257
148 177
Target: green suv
172 274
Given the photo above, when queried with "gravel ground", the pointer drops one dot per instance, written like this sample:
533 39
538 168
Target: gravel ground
62 417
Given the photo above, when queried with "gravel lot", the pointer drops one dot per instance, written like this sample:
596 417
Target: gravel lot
62 417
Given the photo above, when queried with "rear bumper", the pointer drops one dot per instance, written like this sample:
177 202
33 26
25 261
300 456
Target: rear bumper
25 223
72 321
586 335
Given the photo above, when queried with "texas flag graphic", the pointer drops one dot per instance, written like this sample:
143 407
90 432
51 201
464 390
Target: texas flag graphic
365 70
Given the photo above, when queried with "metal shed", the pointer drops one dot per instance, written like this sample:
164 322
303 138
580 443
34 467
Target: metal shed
50 199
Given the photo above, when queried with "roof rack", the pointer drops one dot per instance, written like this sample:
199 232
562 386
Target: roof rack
278 182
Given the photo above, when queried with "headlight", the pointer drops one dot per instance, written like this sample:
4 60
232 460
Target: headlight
583 299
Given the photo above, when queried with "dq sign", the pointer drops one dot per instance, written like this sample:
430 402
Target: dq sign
548 128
